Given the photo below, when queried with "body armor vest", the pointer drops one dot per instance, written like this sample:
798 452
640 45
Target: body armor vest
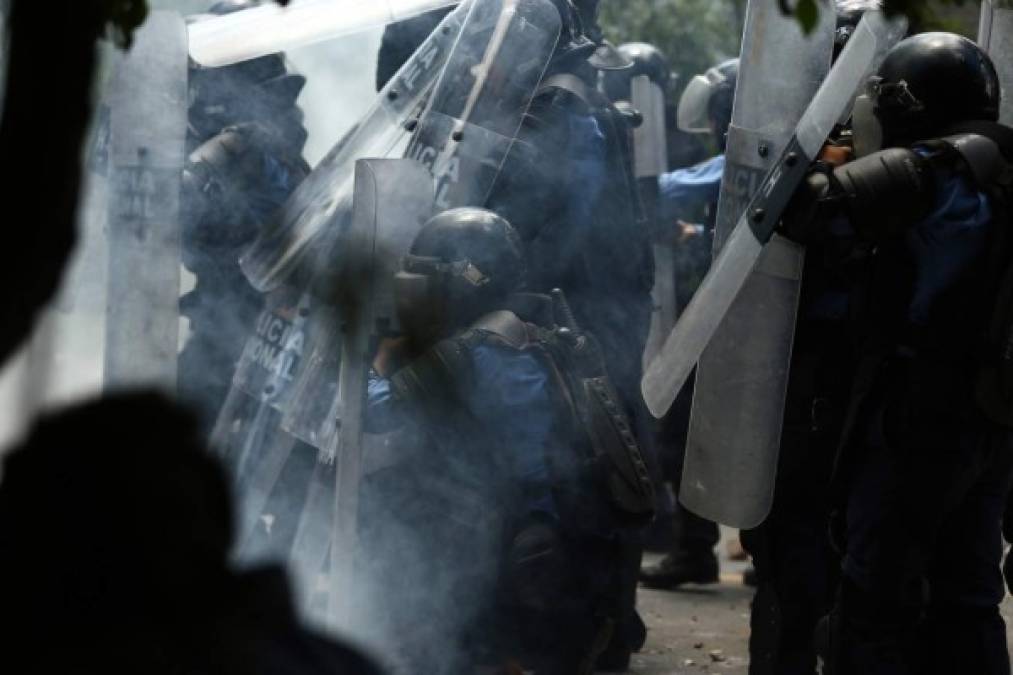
603 479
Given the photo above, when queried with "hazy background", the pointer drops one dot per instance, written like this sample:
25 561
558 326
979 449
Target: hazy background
64 360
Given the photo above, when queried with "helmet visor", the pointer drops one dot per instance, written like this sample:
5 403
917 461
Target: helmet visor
694 116
419 298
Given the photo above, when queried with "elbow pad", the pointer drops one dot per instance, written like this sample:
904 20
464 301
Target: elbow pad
805 218
886 192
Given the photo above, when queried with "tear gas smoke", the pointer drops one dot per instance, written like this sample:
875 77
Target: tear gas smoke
63 362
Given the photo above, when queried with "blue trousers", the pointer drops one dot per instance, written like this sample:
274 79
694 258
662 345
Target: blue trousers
922 581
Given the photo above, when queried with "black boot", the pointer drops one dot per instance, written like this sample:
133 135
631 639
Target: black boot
672 571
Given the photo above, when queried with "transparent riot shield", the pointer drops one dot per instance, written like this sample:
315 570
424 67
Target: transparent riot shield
462 138
323 200
478 105
270 28
742 378
650 160
462 135
995 35
248 431
462 128
148 120
393 199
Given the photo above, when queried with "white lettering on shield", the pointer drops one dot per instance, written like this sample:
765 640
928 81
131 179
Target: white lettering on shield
276 347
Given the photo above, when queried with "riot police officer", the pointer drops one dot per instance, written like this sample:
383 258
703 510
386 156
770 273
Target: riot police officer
569 189
491 381
796 567
925 456
705 107
246 137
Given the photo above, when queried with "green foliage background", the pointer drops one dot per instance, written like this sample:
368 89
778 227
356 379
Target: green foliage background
697 34
693 34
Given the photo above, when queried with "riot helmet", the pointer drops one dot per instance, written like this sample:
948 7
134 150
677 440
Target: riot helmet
463 264
263 90
706 103
931 81
646 59
849 14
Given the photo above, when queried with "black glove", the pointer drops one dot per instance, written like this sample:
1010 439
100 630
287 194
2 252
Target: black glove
811 207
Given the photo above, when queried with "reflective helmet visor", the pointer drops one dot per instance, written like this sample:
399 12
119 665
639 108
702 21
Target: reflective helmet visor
694 106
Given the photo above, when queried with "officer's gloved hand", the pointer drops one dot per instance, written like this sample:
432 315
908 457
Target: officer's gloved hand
390 356
808 213
634 118
222 180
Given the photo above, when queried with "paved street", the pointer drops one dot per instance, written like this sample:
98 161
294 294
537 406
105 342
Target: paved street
705 629
698 629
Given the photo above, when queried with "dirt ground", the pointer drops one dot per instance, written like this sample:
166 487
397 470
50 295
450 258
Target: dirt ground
705 629
697 629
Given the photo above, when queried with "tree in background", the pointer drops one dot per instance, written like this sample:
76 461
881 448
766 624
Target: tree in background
925 15
696 34
693 34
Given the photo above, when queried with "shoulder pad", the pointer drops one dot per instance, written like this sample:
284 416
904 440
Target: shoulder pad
982 156
433 377
506 327
573 85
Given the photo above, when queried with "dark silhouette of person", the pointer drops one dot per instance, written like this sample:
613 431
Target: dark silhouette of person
115 525
115 528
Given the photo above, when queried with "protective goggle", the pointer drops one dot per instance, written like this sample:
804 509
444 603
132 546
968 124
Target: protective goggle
841 38
437 268
694 106
893 97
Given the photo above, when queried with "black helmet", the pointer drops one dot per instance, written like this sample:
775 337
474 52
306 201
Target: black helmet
849 14
260 90
647 60
462 263
706 103
932 81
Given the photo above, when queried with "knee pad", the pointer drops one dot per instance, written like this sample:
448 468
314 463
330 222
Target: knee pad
536 570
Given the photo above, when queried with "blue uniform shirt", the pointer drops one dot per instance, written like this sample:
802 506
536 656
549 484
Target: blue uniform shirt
943 246
946 243
685 191
588 156
509 396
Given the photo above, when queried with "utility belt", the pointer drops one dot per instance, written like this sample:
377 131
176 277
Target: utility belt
605 483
